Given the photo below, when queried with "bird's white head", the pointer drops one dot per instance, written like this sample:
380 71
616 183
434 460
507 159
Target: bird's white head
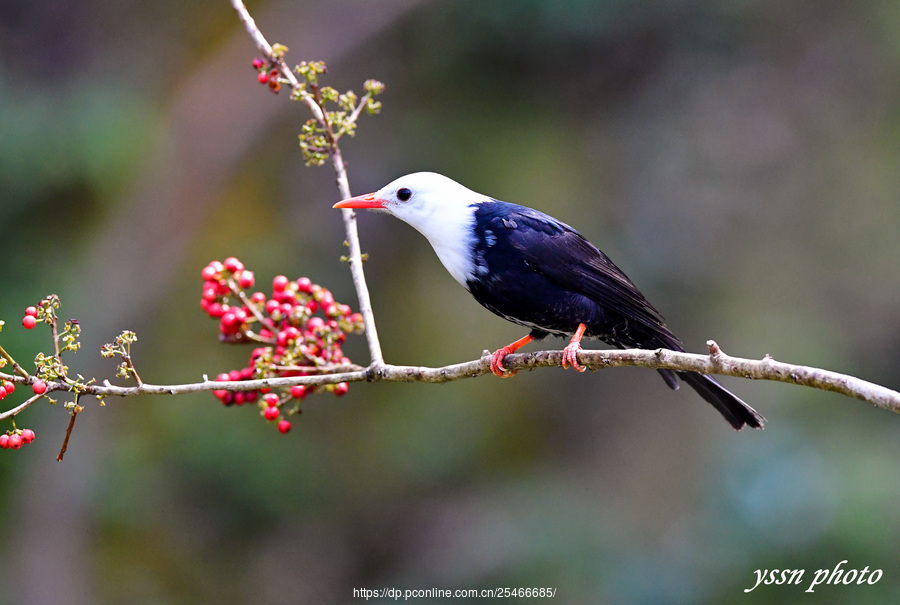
437 207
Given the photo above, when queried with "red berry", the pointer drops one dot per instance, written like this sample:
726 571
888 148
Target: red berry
31 311
246 279
271 399
2 392
229 323
326 298
27 435
258 63
9 387
209 273
233 265
271 413
258 297
272 305
299 391
263 77
341 388
29 322
4 441
39 387
284 426
304 284
280 283
15 441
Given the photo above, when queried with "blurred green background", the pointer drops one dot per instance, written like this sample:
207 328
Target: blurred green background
740 160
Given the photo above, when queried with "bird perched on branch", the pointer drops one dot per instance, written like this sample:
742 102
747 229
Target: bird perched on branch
538 272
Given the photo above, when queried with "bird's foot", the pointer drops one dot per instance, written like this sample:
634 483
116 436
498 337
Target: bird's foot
570 356
497 362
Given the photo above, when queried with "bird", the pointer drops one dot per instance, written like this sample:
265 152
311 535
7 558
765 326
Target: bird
538 272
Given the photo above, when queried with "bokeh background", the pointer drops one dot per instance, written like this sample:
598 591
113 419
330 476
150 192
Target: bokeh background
739 159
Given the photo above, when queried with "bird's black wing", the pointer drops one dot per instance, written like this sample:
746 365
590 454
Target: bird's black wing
558 253
564 256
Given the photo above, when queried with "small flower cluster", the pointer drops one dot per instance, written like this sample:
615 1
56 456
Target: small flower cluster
300 328
122 346
16 438
317 138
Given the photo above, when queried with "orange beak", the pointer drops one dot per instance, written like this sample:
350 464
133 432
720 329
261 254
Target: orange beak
361 201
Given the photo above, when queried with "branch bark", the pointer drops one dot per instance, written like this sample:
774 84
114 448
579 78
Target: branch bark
716 362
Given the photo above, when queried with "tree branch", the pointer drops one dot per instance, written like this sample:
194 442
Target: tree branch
343 183
716 362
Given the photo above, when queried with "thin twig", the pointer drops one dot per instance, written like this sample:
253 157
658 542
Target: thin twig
359 109
343 185
253 308
22 406
126 358
266 49
65 444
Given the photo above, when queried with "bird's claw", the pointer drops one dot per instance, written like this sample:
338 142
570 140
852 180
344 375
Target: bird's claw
497 363
570 356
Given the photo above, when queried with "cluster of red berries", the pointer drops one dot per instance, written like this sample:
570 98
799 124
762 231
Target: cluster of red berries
7 387
300 328
30 319
16 438
267 74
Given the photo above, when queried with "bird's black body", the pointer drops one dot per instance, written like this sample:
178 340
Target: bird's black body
538 272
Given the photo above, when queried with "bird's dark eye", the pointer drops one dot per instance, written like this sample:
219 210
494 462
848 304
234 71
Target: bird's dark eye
404 194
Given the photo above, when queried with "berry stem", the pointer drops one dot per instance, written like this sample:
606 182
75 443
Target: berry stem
239 292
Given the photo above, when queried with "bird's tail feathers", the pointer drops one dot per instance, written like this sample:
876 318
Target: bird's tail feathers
735 411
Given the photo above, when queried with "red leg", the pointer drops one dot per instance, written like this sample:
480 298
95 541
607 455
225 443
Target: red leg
497 358
571 351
